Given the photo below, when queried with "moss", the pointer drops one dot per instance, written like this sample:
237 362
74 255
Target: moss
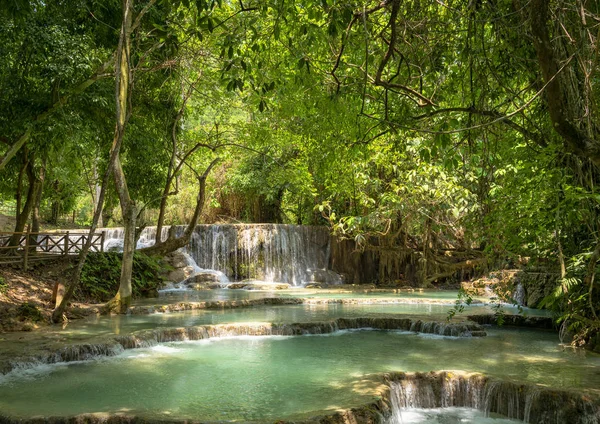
102 272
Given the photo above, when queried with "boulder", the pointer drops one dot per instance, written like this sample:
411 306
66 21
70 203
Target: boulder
325 276
203 277
177 259
180 274
204 286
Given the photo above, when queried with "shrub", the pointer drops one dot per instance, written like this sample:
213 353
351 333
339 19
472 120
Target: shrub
28 311
3 286
102 272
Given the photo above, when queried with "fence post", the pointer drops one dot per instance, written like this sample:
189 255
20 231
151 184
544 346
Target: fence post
102 241
26 253
66 252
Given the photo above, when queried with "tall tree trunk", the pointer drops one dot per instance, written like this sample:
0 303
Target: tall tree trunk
173 169
564 93
122 300
122 92
129 210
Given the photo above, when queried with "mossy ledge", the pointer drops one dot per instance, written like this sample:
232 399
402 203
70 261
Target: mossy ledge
145 338
515 321
270 301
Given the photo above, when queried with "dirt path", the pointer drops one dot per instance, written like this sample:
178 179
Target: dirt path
26 297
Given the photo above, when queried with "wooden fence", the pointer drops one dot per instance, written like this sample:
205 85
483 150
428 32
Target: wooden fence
33 247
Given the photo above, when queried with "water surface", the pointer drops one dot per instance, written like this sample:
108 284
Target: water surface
268 378
104 325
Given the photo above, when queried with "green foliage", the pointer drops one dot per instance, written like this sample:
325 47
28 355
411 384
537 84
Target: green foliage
102 271
3 286
433 141
501 297
571 299
463 298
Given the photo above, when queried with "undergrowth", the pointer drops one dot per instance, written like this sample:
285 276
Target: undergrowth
102 272
29 311
3 285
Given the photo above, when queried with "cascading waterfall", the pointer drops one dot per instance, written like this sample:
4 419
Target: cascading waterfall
519 295
526 402
292 254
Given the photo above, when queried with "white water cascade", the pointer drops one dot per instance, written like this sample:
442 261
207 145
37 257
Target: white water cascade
526 403
113 241
292 254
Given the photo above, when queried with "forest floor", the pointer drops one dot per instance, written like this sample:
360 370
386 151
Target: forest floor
26 296
7 223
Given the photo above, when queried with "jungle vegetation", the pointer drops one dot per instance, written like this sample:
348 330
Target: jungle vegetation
466 132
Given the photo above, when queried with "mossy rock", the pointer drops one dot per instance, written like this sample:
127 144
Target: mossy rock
537 286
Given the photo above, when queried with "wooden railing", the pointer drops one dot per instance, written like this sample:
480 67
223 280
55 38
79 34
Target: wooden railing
33 247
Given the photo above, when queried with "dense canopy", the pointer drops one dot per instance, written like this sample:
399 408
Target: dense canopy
464 134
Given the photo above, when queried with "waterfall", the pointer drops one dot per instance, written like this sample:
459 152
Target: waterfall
113 241
519 295
526 402
292 254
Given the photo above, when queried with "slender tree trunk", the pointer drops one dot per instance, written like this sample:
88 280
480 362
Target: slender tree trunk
19 193
163 206
35 213
173 169
55 208
122 90
58 313
97 188
129 210
23 215
172 243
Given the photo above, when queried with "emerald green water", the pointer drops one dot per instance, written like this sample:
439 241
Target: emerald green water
267 378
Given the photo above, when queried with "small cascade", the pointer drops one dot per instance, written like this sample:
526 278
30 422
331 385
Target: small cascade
291 254
526 402
519 295
396 405
113 241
